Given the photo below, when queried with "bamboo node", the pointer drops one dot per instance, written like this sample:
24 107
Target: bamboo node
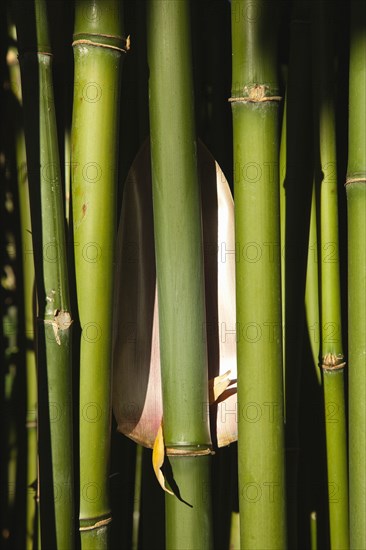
175 451
31 424
61 321
354 180
333 362
90 39
11 58
255 93
97 525
25 53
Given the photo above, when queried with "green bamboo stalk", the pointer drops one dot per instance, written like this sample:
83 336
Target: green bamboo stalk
10 433
313 531
235 531
54 319
28 290
283 164
312 289
68 169
296 178
331 331
180 276
30 355
98 52
255 104
356 207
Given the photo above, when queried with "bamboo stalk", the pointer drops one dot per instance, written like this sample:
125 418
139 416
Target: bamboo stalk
255 104
180 276
312 289
98 52
30 355
54 319
235 531
331 330
295 196
28 290
30 361
356 207
313 531
137 498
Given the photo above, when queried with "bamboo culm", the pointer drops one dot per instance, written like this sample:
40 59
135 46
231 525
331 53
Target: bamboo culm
356 209
332 361
255 104
99 48
180 275
55 439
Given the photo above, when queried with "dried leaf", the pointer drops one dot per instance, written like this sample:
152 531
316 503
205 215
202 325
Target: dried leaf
217 386
158 459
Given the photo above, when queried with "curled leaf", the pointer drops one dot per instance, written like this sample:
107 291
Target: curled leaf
217 386
158 459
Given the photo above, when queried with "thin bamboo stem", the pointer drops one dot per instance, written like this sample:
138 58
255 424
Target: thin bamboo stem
30 355
180 276
313 531
54 319
28 290
295 195
255 101
331 330
137 498
99 48
312 289
235 531
356 207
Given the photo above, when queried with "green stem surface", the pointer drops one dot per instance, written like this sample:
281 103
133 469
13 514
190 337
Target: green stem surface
331 329
28 293
54 319
98 52
312 289
30 354
356 208
180 275
296 179
258 291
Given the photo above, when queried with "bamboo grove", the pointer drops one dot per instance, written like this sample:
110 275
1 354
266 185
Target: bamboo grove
183 274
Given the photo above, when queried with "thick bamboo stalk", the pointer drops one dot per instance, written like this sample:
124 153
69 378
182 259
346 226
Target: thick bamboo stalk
54 319
99 48
331 329
255 100
180 276
356 207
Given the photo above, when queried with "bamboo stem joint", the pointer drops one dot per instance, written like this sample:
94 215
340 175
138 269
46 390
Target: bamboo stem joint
109 41
97 525
355 180
333 362
255 93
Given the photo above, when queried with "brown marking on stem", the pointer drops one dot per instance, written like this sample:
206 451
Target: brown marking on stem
97 525
61 321
255 93
181 451
333 362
